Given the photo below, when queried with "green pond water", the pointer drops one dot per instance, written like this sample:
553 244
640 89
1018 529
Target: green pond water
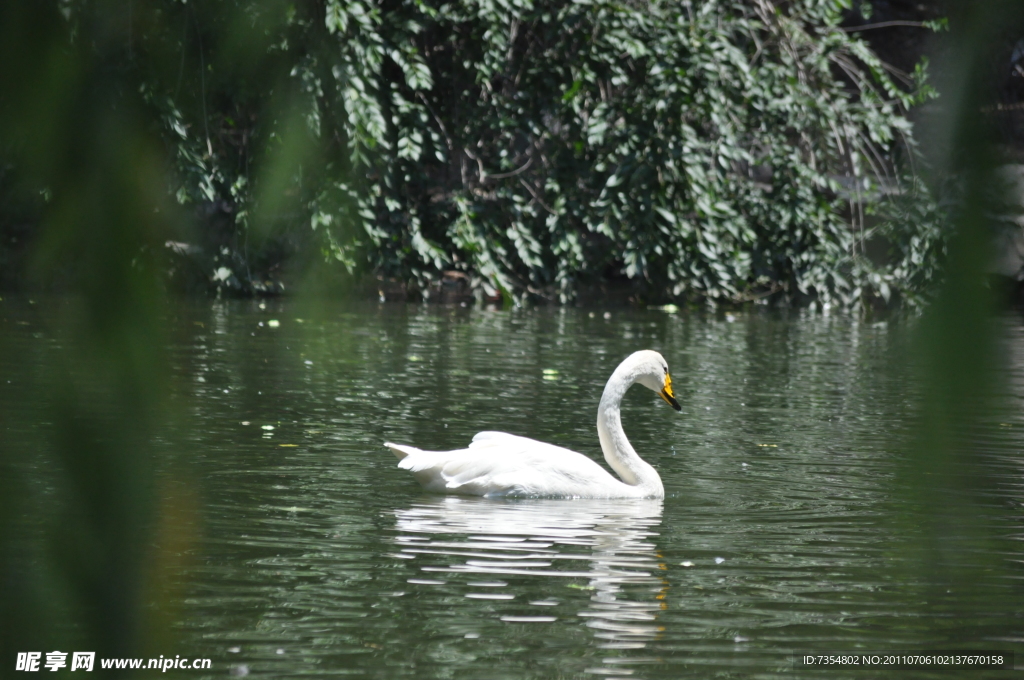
791 521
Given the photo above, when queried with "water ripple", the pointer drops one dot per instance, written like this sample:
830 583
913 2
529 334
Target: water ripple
608 544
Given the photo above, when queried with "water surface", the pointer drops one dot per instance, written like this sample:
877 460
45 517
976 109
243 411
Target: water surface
790 521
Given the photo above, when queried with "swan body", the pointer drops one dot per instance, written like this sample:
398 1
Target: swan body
499 464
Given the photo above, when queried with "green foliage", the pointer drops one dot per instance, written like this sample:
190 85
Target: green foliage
706 149
911 233
690 147
69 125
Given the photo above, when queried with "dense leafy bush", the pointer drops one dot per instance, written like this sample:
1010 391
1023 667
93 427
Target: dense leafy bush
685 145
703 149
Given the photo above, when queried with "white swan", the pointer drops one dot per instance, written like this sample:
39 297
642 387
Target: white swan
501 464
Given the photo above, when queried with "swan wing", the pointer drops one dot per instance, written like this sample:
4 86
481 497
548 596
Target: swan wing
502 464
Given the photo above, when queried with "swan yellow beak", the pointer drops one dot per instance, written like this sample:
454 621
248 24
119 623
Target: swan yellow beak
667 395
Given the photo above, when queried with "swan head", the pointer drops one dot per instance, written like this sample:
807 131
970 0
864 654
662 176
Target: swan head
651 370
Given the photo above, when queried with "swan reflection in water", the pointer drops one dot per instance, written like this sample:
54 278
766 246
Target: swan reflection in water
546 547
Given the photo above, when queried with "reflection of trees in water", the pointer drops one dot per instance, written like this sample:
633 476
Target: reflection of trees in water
547 540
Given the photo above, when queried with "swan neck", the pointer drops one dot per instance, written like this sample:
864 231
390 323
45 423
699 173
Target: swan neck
618 452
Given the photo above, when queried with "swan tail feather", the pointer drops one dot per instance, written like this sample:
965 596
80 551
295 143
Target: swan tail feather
401 451
446 471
